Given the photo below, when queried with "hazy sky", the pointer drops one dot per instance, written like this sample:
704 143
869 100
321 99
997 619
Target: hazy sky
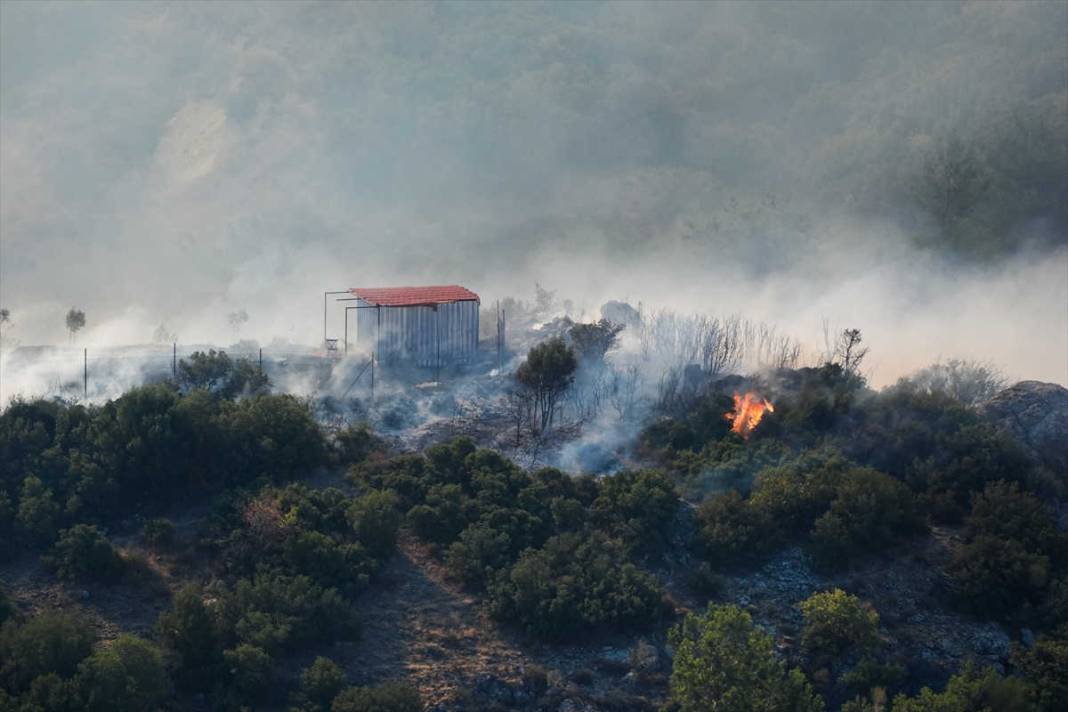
173 162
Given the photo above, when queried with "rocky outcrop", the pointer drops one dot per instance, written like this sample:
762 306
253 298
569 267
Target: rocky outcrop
1036 414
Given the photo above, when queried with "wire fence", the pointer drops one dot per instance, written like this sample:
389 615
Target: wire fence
99 373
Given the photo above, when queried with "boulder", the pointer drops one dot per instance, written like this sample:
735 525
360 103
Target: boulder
1036 414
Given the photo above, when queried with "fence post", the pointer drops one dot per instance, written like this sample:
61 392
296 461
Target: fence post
261 360
85 373
174 360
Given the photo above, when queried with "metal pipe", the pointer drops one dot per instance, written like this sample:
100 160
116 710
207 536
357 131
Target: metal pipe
325 294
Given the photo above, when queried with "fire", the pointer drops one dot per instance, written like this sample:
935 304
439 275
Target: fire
748 412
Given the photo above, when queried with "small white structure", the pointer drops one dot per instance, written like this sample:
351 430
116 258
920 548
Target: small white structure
429 326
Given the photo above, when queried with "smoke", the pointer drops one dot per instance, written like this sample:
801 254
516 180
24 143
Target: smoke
170 164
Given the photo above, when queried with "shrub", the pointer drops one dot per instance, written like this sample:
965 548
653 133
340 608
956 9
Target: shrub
83 553
125 676
190 635
1008 565
870 512
971 690
387 697
723 662
320 683
376 520
355 443
249 673
730 531
574 583
705 581
38 512
50 642
637 507
1045 666
836 621
478 554
159 533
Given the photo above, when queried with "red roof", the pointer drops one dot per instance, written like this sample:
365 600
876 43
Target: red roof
415 296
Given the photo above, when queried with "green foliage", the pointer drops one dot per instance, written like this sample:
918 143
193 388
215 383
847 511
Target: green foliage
38 512
1045 666
730 530
355 443
971 691
836 621
219 374
83 553
637 507
547 372
376 519
50 642
159 533
278 612
249 673
870 512
126 675
723 662
1008 565
387 697
190 635
572 584
320 683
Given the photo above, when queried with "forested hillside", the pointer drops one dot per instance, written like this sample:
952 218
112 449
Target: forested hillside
210 545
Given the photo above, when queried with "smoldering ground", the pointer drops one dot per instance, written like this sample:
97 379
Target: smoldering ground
896 167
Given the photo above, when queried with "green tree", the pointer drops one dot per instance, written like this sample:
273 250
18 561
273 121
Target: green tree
83 553
320 683
971 691
836 621
387 697
545 375
127 675
38 511
190 635
1045 666
724 663
249 669
376 519
50 642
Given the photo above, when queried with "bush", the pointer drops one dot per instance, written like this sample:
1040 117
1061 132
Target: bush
730 531
320 683
249 673
870 512
376 519
1009 563
387 697
190 635
836 621
572 584
38 512
971 690
723 662
50 642
83 553
1045 666
125 676
159 533
637 507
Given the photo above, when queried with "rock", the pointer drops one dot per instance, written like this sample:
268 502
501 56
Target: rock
1036 414
84 595
1027 637
644 657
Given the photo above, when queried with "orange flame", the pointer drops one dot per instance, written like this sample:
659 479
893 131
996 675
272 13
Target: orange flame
748 412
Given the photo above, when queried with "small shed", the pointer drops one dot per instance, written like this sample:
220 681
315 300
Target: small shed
429 326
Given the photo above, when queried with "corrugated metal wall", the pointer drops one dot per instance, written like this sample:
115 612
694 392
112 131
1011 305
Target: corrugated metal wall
447 333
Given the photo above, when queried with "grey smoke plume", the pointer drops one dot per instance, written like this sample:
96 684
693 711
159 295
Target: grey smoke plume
175 163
